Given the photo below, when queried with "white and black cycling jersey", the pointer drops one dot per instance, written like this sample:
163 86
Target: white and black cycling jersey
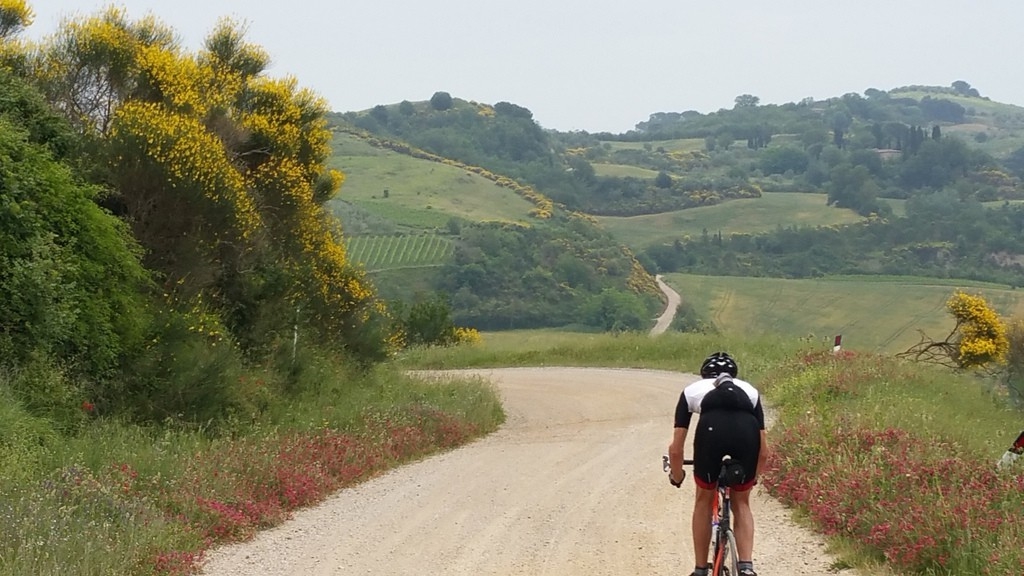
724 393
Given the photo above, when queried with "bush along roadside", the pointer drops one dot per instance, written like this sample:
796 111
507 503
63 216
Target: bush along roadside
160 515
888 481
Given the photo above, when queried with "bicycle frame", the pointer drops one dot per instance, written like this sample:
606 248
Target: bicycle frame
724 554
723 543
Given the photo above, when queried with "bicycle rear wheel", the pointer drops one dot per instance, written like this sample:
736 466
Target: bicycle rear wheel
725 558
731 557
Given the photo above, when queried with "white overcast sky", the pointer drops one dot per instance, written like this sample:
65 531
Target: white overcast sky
602 65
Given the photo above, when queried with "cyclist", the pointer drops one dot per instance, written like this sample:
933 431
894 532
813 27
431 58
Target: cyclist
731 422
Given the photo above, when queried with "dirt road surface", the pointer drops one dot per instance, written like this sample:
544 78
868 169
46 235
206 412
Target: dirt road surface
570 485
673 300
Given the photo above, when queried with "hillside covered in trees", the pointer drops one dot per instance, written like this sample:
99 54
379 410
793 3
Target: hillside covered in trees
935 173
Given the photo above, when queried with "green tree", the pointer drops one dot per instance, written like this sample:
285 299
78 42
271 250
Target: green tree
936 164
441 101
746 101
852 187
71 284
615 311
428 322
380 113
663 180
779 160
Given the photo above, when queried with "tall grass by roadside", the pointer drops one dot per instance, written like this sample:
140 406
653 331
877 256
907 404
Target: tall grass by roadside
126 500
670 351
897 461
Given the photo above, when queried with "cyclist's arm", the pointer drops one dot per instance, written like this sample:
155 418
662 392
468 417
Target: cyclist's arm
675 450
675 454
762 457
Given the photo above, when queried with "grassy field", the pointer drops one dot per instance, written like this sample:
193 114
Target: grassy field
623 171
682 144
748 216
670 351
876 314
419 193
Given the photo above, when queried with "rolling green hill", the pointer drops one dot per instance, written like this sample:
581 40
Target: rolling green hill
873 313
1000 125
754 170
413 193
751 216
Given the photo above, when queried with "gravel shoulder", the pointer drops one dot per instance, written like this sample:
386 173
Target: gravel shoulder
570 485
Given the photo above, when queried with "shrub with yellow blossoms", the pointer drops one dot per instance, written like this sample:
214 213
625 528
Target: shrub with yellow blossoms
221 172
982 334
977 340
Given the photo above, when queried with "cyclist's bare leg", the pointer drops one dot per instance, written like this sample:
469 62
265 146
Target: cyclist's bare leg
702 524
743 525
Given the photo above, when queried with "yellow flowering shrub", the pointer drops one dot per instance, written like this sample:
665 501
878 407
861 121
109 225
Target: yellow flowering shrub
15 15
982 334
221 170
468 336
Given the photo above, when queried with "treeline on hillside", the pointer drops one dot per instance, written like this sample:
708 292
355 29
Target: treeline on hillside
857 148
942 236
162 227
753 122
505 139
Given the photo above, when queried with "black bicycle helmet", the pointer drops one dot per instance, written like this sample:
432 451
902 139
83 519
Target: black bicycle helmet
718 363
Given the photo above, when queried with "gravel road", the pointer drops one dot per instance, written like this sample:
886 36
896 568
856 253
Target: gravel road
669 314
570 485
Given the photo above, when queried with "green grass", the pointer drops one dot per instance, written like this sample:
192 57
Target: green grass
751 216
131 500
623 171
882 314
670 351
419 193
681 144
877 442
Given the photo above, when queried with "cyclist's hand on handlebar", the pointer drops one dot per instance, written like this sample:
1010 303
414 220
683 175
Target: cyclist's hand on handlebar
665 466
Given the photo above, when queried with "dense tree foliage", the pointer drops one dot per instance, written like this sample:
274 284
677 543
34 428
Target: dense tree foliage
505 277
70 278
940 236
236 156
163 222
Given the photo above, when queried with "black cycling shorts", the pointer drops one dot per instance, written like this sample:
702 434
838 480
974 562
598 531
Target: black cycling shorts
721 433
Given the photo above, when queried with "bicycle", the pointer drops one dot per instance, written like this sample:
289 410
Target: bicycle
724 554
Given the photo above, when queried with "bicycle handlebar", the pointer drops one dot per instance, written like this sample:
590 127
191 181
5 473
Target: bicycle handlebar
664 462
